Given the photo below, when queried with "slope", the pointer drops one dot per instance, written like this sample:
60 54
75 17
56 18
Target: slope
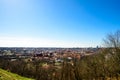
5 75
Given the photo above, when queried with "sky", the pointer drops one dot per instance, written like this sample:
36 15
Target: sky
57 23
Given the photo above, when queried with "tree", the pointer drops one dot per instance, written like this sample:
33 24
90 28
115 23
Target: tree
67 72
113 40
112 44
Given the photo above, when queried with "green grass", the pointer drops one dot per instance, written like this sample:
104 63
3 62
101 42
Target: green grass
5 75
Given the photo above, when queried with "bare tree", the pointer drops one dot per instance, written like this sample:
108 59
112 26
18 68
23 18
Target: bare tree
112 44
113 40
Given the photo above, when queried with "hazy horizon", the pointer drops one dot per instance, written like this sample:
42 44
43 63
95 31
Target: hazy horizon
57 23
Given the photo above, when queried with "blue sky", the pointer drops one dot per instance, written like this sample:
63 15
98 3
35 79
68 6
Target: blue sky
57 23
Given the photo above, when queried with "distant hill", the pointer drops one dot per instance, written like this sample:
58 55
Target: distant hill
5 75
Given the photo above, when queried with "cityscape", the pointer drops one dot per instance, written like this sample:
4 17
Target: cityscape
59 40
47 54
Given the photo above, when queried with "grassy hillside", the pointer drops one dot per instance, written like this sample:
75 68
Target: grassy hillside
5 75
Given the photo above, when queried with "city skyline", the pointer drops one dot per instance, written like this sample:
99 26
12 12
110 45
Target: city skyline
57 23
